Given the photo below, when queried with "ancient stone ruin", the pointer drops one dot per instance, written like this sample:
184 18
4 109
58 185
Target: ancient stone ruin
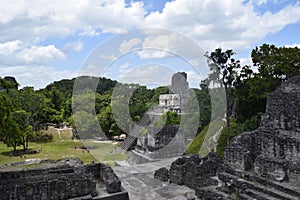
158 142
262 164
65 179
273 150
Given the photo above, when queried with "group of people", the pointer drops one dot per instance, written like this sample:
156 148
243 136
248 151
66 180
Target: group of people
83 149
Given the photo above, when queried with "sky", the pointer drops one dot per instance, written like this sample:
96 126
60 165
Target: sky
135 41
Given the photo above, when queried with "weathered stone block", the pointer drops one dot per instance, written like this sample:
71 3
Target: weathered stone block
162 174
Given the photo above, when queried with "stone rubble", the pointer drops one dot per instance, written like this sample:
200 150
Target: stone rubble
262 164
64 179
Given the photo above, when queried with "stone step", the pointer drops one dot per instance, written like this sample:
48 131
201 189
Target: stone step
283 186
243 196
211 192
243 184
254 194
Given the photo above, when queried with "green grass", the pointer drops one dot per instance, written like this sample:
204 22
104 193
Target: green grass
202 144
235 129
58 149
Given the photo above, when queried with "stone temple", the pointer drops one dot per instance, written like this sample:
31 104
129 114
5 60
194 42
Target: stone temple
273 150
262 164
177 98
156 142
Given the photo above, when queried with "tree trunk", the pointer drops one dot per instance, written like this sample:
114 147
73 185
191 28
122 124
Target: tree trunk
27 142
23 143
227 115
15 147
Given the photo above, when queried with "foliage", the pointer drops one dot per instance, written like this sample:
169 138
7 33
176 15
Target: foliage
223 70
276 62
235 129
206 133
169 118
246 91
10 133
41 136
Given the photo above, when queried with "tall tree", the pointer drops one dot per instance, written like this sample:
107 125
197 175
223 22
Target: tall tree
22 118
36 104
223 69
10 133
276 62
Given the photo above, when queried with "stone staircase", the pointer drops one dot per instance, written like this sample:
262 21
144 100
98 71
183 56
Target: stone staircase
134 134
254 189
234 184
245 185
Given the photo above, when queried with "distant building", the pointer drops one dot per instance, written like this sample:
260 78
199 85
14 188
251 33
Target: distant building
167 141
177 98
170 102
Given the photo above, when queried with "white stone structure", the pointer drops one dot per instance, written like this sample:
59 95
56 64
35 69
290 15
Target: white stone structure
170 102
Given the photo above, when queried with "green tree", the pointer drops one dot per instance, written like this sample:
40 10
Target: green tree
36 104
169 118
10 133
223 69
8 83
276 62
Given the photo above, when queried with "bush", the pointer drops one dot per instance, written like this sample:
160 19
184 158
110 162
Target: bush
42 137
236 129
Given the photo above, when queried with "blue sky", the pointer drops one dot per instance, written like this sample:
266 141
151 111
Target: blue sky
46 41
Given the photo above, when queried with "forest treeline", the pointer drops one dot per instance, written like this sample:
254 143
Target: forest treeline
23 111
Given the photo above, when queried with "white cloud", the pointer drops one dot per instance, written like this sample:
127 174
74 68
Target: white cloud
128 45
225 23
259 2
73 46
123 69
108 56
212 23
10 47
15 53
37 76
162 45
194 79
39 54
293 45
44 18
245 61
148 75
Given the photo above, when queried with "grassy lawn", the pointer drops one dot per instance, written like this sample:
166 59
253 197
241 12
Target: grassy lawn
59 149
202 142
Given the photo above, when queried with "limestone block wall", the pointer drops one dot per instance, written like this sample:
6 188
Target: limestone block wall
283 107
46 184
59 180
273 150
193 171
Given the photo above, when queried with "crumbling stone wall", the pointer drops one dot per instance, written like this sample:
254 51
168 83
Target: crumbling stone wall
159 137
193 171
273 150
64 179
283 107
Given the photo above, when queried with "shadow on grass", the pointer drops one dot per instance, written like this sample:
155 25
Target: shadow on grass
19 152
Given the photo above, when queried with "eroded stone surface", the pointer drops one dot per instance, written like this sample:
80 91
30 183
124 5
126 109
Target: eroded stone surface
65 179
140 183
193 171
273 150
262 164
